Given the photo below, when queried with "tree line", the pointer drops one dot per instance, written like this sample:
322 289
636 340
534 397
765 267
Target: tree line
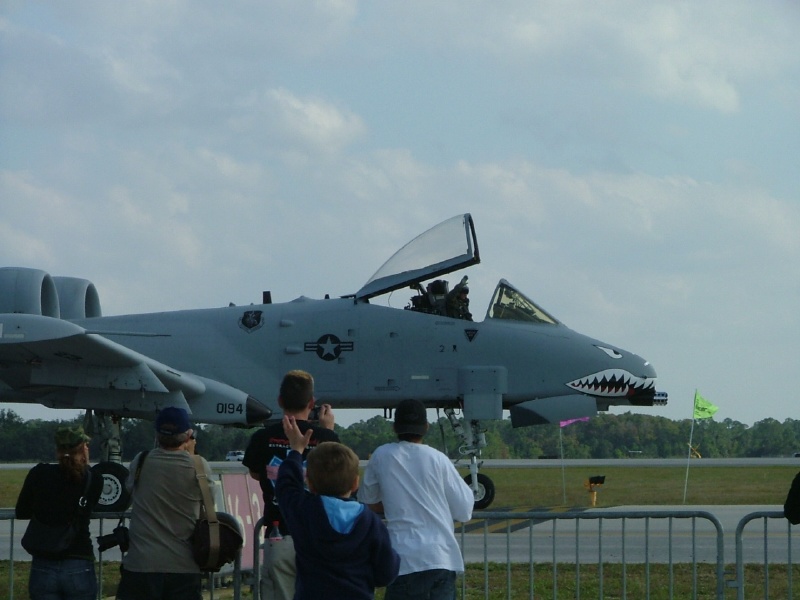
604 436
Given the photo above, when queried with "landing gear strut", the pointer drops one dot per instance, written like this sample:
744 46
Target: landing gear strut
114 497
473 439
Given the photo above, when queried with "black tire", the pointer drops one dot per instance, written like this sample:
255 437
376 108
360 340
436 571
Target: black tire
485 494
114 497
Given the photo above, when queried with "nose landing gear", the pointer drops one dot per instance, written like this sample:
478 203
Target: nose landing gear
473 439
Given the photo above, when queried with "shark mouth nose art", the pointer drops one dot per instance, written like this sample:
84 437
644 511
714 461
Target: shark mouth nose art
613 383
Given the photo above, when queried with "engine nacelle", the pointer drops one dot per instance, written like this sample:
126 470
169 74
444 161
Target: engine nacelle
35 292
77 298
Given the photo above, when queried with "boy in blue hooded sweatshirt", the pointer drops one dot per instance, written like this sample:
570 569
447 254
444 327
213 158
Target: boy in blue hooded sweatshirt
343 550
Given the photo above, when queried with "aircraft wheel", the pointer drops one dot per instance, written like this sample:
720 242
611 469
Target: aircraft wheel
114 497
485 493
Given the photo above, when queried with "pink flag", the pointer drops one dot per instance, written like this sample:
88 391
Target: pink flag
571 421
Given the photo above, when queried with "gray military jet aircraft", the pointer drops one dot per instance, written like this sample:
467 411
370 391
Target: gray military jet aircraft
224 365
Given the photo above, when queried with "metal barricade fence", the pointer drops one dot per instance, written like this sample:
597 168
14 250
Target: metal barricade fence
769 554
257 558
598 538
234 572
593 554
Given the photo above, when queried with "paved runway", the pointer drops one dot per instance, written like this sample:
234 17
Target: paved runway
516 539
534 463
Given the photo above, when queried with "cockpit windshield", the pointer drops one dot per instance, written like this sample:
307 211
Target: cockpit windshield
511 304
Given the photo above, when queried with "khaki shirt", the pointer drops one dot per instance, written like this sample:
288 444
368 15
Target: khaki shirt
166 505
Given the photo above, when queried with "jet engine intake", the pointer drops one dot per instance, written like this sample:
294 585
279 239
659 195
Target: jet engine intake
28 291
35 292
77 298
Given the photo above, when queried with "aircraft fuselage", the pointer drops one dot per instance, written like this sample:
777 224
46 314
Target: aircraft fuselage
369 356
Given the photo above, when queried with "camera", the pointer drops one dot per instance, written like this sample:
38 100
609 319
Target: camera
118 537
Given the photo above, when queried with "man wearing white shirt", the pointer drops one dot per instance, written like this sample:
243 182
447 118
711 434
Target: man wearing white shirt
421 494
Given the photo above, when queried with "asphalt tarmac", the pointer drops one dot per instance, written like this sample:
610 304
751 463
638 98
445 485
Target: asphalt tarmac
692 529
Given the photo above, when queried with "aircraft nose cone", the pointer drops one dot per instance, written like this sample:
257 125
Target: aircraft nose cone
649 370
256 412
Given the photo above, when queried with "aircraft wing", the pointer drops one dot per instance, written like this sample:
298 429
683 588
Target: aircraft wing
60 364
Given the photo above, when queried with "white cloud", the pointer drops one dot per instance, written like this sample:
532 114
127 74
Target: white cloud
314 123
697 54
228 168
33 219
23 248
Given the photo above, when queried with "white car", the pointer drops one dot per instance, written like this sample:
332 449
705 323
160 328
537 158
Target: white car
235 455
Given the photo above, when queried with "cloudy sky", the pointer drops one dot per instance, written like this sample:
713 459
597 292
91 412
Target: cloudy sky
631 166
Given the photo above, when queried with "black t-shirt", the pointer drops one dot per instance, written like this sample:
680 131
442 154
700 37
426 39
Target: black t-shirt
266 451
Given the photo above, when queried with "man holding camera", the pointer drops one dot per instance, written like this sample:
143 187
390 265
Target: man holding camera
166 504
267 449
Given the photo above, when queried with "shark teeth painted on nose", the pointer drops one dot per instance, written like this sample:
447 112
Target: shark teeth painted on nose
612 383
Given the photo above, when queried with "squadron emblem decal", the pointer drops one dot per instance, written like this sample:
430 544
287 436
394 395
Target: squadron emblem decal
328 347
251 320
470 333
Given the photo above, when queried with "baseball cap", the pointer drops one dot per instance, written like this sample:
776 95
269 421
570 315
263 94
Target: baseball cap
172 420
410 416
67 437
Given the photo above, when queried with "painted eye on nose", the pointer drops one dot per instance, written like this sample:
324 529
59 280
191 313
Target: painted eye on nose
610 351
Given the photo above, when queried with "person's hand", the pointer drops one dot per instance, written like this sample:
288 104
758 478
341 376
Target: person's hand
326 418
190 445
297 440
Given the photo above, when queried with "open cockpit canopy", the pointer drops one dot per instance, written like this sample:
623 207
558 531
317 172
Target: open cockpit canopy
447 247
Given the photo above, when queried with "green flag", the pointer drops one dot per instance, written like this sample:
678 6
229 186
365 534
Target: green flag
703 409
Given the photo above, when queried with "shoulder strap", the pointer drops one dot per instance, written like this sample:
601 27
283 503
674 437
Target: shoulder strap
83 500
208 509
139 466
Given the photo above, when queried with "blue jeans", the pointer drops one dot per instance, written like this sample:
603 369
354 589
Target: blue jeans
68 579
436 584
